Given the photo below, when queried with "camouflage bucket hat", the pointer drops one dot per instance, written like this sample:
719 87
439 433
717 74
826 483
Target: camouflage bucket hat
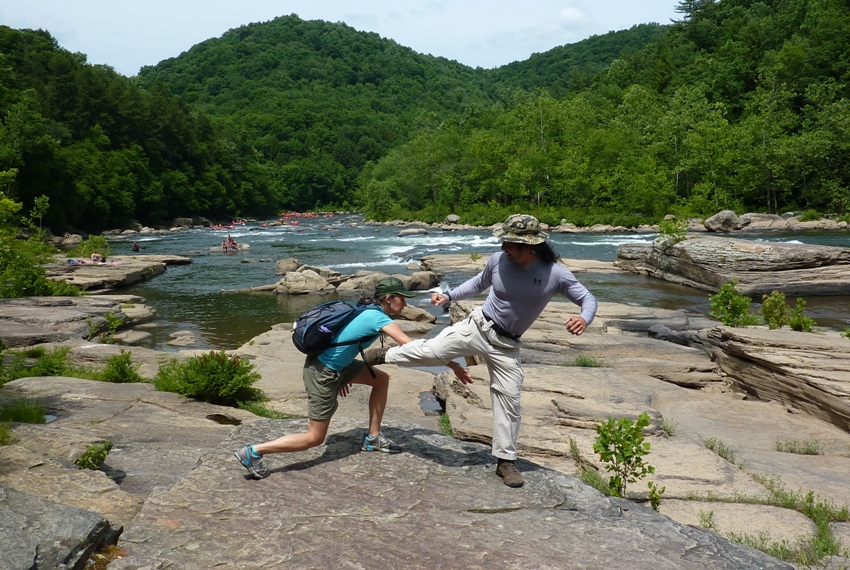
521 228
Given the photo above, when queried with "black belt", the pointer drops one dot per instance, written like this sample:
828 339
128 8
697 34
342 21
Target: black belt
499 330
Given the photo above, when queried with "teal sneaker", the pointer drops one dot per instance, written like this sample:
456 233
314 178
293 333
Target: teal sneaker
253 463
380 443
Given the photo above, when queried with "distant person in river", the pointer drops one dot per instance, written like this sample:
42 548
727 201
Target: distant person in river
331 373
136 247
522 278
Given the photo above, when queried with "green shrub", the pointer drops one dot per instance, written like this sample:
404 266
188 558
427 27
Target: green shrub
846 333
90 245
21 276
621 446
29 411
810 215
120 369
732 308
774 311
94 456
797 320
214 377
672 231
50 363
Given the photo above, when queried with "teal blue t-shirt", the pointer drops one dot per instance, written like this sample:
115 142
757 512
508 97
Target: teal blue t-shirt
367 324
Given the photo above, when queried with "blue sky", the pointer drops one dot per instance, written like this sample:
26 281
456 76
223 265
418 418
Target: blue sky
128 34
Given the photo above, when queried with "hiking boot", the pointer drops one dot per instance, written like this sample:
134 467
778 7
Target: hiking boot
509 473
253 463
380 443
373 356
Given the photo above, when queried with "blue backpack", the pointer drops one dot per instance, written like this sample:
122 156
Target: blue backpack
313 331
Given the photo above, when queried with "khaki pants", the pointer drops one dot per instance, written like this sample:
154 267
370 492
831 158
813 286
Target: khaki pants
475 337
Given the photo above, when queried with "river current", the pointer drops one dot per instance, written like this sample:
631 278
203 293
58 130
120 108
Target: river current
199 297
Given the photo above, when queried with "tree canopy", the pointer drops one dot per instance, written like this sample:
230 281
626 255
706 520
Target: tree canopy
740 104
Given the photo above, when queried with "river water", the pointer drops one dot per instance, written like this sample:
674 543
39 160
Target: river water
196 297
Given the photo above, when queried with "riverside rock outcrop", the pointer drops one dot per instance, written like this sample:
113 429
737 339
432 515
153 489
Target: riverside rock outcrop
118 272
173 485
757 267
36 320
810 372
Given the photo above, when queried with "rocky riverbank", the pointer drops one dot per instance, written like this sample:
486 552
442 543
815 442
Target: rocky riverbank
171 485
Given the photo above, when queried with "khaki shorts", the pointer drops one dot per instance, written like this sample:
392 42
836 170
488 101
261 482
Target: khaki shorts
323 384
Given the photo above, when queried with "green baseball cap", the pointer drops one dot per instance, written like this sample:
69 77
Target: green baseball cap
392 286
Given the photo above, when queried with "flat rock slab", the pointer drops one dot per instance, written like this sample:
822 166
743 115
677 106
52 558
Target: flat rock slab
469 264
438 505
36 320
118 272
757 267
156 439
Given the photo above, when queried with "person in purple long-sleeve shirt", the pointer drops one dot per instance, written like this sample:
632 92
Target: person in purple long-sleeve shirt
522 278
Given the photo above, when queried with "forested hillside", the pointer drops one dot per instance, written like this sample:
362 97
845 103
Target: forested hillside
318 100
572 67
278 115
103 151
741 104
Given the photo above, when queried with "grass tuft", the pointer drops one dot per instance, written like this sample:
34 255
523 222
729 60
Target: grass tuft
586 362
806 447
28 411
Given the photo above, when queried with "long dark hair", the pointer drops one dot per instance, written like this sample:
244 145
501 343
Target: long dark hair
545 253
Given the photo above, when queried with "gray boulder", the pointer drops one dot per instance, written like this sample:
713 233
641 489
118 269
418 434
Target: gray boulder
724 221
37 533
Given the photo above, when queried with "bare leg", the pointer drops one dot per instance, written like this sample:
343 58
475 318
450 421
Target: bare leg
316 433
377 399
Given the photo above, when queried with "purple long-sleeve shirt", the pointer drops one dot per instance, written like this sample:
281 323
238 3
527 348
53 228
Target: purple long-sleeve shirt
519 293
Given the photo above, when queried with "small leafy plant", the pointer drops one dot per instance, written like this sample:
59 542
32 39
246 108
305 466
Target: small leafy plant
655 493
798 321
846 333
732 308
94 456
774 311
120 369
214 377
621 446
672 231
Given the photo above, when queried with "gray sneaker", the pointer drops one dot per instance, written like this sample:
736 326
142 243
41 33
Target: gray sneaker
380 443
253 464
